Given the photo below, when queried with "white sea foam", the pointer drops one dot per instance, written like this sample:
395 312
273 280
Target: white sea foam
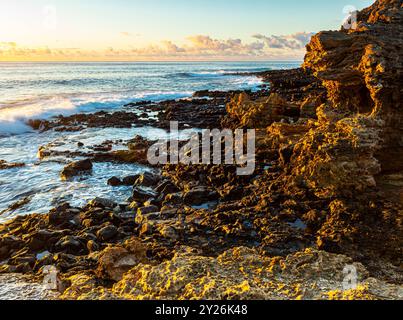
14 116
248 81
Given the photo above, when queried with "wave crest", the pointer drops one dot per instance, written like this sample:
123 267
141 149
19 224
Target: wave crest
14 115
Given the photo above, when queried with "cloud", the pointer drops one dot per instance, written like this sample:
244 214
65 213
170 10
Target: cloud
6 45
172 47
200 46
12 51
196 47
203 44
303 37
129 34
294 41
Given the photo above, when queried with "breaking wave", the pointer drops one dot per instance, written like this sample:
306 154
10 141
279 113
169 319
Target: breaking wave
14 115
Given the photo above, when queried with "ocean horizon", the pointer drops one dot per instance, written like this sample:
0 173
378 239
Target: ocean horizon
42 90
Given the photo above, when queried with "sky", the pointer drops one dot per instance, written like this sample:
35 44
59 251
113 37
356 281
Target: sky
131 30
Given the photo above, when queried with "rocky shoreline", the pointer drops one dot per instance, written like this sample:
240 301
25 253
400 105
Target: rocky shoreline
326 192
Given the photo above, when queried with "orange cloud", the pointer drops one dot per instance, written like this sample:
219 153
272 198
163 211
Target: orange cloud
197 47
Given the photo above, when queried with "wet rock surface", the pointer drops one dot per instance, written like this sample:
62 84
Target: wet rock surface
76 168
7 165
326 192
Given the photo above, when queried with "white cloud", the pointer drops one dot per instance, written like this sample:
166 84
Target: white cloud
129 34
294 41
196 47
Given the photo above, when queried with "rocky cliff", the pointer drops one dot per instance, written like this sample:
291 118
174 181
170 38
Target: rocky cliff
352 133
344 146
361 70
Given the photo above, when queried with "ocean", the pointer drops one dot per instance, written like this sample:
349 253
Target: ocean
43 90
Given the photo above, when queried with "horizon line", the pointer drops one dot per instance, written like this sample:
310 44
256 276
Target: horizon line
142 61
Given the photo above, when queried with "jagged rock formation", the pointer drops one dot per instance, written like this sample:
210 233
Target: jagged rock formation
261 112
357 137
345 149
362 72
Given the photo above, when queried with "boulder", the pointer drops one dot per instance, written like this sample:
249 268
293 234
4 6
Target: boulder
92 246
130 156
146 210
76 168
143 218
138 143
114 182
169 232
71 245
285 154
7 165
102 203
148 179
114 262
141 195
61 215
166 187
107 233
130 180
196 196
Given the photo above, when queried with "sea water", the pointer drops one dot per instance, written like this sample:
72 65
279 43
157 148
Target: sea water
44 90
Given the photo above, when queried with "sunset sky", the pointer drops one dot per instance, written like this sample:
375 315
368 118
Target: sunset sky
103 30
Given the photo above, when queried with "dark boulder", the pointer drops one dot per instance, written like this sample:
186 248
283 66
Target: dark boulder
286 154
76 168
107 233
102 203
166 187
148 179
196 196
141 195
130 180
114 182
71 245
